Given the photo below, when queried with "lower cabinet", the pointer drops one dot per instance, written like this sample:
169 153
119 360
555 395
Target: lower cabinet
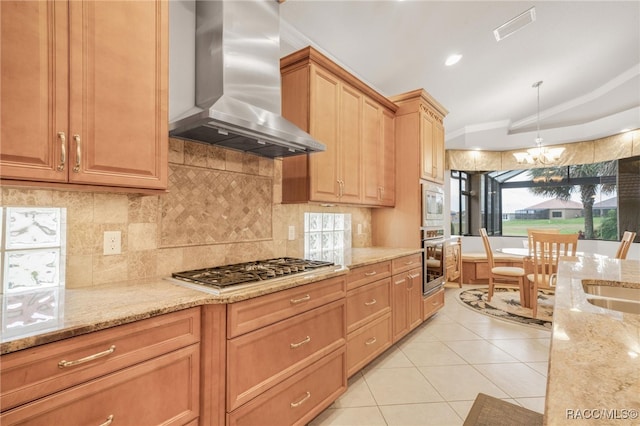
298 399
286 354
160 391
406 284
117 375
432 303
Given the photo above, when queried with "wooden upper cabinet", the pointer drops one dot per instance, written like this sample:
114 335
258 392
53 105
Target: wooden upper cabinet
427 130
351 119
33 90
350 145
96 75
325 90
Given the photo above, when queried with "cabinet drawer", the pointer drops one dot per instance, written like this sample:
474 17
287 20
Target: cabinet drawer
368 302
406 263
297 400
252 314
433 303
260 359
33 373
367 274
163 390
366 343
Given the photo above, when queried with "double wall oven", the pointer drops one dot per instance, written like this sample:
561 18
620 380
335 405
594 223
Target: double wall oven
432 233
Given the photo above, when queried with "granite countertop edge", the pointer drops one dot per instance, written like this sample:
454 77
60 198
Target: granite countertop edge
89 309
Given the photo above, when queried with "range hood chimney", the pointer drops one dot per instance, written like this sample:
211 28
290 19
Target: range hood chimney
237 79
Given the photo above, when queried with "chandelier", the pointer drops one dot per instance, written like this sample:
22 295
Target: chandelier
540 154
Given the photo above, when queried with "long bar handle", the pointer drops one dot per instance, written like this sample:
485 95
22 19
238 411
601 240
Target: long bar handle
63 150
108 421
65 364
76 168
304 342
297 404
302 299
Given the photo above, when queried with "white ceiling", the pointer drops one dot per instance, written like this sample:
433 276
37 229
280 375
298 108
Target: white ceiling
586 53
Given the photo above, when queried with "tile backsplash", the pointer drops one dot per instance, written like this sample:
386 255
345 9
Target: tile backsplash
222 207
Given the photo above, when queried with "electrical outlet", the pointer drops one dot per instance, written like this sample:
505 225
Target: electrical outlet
292 232
359 229
112 242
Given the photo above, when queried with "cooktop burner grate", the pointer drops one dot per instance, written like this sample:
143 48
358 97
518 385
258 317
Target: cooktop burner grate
228 275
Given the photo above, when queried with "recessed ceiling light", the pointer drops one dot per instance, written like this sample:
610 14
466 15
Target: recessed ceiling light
453 59
515 24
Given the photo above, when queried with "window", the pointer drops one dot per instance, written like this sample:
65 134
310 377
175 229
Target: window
32 267
580 199
326 235
460 197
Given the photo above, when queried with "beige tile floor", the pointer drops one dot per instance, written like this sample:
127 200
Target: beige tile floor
432 376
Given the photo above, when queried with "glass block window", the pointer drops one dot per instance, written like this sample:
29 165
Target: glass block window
32 248
326 236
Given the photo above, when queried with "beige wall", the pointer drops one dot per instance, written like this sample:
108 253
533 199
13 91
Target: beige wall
613 147
222 207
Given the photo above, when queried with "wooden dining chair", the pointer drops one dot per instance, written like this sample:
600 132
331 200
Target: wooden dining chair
502 273
547 249
530 232
625 244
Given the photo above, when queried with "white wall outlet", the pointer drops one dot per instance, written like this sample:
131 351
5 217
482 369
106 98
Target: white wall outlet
359 229
292 232
112 242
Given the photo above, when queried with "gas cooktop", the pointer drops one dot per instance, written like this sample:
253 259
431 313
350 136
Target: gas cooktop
220 277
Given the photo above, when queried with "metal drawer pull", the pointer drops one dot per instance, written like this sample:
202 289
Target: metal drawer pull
373 302
370 274
64 364
302 299
305 341
76 168
413 276
409 262
108 422
371 341
296 404
63 150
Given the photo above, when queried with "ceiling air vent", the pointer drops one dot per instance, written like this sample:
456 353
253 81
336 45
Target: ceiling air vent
515 24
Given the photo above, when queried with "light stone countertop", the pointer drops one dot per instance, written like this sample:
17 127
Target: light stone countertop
594 360
84 310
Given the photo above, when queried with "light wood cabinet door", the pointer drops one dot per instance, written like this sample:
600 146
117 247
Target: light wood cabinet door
34 90
350 144
259 360
432 148
118 73
163 390
366 343
324 111
406 299
388 160
414 298
399 297
87 95
372 152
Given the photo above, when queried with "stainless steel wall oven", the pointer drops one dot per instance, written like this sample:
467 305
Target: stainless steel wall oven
432 236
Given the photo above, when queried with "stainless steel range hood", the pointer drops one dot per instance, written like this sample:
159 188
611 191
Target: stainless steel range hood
237 81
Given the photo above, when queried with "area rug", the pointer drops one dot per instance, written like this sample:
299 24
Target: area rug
505 305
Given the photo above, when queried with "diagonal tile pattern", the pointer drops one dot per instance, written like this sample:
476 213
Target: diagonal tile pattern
432 376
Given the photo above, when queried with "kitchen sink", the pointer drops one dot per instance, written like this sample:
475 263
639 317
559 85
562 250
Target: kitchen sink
613 296
616 305
615 292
